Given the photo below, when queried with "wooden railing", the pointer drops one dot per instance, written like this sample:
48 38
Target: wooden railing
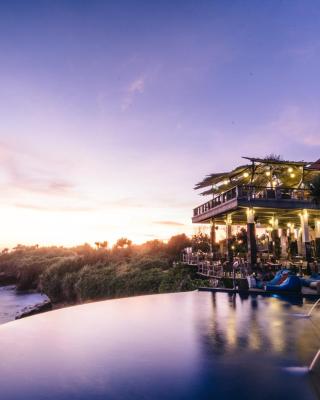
215 268
253 192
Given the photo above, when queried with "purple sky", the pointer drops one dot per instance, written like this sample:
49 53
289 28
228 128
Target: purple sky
110 111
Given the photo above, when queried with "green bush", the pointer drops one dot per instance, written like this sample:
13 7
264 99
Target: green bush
148 262
51 281
83 273
178 278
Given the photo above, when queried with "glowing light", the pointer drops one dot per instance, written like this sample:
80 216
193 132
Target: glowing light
225 182
292 175
245 174
268 173
290 169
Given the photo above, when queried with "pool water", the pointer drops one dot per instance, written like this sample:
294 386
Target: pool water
195 345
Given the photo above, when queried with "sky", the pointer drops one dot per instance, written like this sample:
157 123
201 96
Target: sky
111 111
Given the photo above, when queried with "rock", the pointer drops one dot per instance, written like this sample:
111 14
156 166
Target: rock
35 309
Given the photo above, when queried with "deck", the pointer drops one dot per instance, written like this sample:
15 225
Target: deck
256 197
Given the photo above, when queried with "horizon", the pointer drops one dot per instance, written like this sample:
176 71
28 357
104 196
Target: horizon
110 113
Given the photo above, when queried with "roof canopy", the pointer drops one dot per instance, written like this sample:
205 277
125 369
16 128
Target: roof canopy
264 172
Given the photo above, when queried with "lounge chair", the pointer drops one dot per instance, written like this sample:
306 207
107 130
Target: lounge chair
291 284
314 278
279 277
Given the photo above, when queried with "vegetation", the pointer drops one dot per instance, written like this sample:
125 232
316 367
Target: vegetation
84 273
315 189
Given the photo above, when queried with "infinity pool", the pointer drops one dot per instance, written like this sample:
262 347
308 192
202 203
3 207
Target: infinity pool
195 345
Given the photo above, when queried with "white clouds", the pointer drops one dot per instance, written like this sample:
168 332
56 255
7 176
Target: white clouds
135 88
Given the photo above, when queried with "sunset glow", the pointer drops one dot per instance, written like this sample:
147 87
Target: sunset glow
110 112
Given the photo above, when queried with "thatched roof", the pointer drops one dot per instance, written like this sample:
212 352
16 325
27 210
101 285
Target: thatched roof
314 166
277 161
259 173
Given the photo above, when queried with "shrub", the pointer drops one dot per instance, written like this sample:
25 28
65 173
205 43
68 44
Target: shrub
51 281
179 278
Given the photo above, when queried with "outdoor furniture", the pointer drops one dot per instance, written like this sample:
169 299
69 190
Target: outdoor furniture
291 284
314 278
278 277
315 285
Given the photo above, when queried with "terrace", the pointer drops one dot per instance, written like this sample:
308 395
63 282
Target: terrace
269 197
254 196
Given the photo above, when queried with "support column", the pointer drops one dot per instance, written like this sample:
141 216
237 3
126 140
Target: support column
284 243
317 241
306 246
293 244
251 235
229 238
276 243
213 235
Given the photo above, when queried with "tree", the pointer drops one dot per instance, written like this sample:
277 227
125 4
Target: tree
101 245
153 246
177 243
273 157
201 241
123 243
241 243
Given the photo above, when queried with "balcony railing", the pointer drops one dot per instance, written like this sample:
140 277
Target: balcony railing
253 193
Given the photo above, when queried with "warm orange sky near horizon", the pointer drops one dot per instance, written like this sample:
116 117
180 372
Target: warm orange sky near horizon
110 112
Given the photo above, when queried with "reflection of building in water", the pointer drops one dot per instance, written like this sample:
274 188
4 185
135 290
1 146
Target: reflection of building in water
252 324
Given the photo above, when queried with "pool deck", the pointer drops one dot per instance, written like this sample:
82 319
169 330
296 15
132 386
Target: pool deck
305 293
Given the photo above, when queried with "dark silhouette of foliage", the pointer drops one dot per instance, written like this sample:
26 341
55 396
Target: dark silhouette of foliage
200 242
315 189
176 244
123 243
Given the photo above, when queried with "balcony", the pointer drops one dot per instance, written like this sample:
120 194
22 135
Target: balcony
254 196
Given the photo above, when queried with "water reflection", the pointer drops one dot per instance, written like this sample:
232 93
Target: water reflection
251 323
12 302
177 346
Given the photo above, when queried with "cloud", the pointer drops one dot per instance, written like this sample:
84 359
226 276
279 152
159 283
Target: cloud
36 207
135 88
299 124
22 170
169 223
